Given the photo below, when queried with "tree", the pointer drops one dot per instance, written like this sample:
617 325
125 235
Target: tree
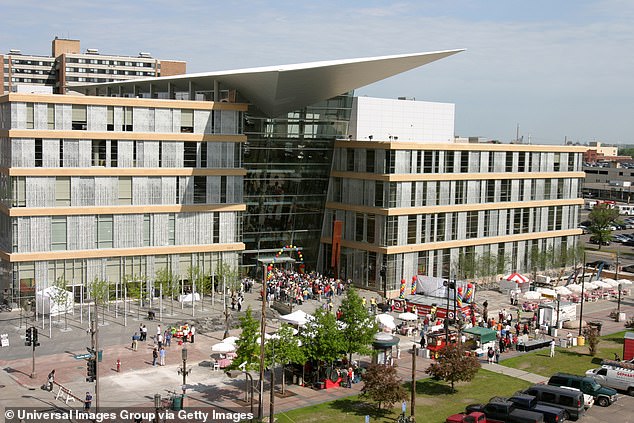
134 287
168 283
360 327
601 218
228 275
382 385
593 339
322 341
59 297
98 291
284 349
248 351
453 365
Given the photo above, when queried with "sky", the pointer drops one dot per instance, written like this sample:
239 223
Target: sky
559 70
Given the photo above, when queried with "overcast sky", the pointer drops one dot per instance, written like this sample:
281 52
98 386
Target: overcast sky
558 69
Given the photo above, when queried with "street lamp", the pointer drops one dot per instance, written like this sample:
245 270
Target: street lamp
183 370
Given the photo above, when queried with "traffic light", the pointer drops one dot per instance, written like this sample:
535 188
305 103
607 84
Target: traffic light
34 338
91 369
29 337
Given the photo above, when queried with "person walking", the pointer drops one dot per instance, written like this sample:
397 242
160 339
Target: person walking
154 356
552 348
162 354
135 341
159 340
168 338
143 333
192 333
490 355
51 380
88 401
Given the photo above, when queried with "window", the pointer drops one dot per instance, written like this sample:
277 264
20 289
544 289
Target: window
411 229
147 230
390 161
104 231
200 189
472 224
189 154
58 233
349 159
29 116
369 161
62 191
509 162
358 228
440 227
127 119
113 153
19 191
98 152
428 162
449 160
38 152
223 189
557 162
378 194
171 228
419 161
216 228
370 229
110 118
413 194
460 191
50 116
203 154
392 194
79 117
505 190
187 121
125 190
391 228
464 162
61 153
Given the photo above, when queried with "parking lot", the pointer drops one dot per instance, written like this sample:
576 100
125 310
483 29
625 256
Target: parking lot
621 411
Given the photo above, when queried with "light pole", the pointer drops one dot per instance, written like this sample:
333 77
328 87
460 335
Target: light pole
583 291
262 330
183 370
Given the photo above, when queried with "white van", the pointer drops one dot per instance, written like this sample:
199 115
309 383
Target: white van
616 377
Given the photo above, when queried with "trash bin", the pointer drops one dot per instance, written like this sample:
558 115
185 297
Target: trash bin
177 402
620 317
581 341
596 324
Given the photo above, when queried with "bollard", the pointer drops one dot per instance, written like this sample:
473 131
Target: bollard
118 365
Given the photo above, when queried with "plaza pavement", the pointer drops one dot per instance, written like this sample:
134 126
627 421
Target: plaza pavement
138 381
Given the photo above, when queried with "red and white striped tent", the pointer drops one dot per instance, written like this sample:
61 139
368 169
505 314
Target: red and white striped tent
516 277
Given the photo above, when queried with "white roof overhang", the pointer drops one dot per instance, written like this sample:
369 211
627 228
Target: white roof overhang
279 89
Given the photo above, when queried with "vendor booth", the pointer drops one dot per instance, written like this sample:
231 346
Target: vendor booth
484 338
54 301
382 348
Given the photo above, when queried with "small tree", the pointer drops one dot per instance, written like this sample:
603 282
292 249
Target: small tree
60 298
453 365
601 218
322 341
248 351
360 327
382 385
228 276
285 349
98 290
168 283
592 338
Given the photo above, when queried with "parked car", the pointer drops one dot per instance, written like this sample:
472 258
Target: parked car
506 412
571 401
602 396
629 269
551 413
594 240
588 400
474 417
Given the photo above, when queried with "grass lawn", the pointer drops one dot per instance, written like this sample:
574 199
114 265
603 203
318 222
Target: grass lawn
574 360
434 402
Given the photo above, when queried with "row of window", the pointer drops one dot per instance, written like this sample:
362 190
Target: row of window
109 62
439 227
421 161
110 71
440 193
80 191
106 234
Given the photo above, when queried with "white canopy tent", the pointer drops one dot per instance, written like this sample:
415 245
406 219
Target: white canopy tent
407 316
54 301
299 318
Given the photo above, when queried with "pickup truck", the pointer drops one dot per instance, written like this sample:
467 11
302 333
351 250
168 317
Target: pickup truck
551 413
474 417
506 412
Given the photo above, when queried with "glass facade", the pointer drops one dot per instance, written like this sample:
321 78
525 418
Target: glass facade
288 161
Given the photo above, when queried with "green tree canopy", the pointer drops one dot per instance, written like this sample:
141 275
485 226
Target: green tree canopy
248 348
360 326
453 365
601 218
285 348
321 338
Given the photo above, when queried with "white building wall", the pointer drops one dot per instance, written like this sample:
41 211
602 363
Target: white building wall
409 121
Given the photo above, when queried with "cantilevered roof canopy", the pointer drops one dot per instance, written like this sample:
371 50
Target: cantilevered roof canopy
279 89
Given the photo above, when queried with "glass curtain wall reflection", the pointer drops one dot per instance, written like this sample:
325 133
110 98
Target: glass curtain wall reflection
288 162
